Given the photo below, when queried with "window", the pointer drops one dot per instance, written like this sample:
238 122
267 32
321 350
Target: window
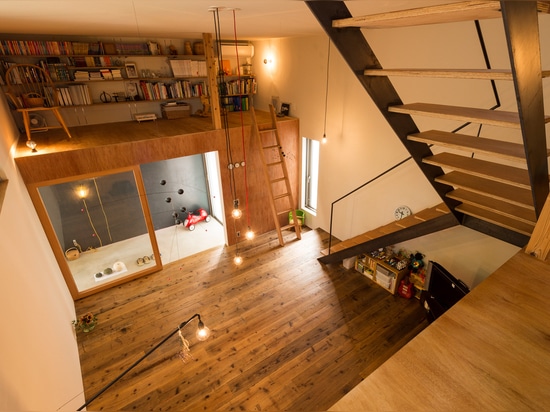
310 167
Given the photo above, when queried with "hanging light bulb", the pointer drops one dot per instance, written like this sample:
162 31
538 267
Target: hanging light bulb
31 144
249 234
82 192
236 213
237 260
203 332
324 139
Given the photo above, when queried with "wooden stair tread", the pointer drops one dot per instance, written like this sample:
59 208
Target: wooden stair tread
481 74
496 219
481 168
498 148
464 114
489 203
501 191
445 13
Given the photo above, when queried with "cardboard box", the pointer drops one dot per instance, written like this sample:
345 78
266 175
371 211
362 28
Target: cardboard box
175 110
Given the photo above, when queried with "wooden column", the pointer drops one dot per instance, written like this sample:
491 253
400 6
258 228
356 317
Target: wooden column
212 67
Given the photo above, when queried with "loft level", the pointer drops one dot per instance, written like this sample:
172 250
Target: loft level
445 13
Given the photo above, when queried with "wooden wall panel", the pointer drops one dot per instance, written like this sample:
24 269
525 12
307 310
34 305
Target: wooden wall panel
100 148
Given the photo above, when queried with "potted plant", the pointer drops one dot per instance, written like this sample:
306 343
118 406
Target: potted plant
86 322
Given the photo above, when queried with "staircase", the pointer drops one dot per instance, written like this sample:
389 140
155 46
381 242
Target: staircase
495 187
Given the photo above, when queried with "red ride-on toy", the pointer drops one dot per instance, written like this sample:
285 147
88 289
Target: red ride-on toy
193 219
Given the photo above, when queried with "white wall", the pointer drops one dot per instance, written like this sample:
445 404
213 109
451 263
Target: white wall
38 351
361 145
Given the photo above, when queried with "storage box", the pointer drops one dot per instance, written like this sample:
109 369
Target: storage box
349 262
175 110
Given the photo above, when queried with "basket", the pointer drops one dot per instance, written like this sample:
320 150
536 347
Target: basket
33 100
72 253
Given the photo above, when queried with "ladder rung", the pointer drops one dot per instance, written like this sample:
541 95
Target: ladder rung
280 179
284 212
273 164
267 130
270 147
281 196
285 227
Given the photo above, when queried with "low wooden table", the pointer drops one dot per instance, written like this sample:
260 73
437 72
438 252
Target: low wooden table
491 351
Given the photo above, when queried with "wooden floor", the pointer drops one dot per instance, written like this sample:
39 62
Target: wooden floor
489 352
287 332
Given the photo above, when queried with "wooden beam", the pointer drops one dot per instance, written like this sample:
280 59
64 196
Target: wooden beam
522 34
212 80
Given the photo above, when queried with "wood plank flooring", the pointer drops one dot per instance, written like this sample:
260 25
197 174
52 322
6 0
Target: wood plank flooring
288 333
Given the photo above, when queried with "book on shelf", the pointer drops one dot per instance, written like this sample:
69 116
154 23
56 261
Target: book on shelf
188 68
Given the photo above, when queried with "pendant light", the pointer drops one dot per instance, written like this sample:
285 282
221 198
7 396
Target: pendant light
326 95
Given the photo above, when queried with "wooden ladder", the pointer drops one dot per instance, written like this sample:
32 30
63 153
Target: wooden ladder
276 175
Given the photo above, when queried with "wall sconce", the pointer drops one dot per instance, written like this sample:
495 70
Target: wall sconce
268 61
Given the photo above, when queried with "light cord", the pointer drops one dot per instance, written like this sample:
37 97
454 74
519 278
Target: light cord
326 90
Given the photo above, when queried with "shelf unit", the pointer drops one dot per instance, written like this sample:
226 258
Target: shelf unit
386 270
132 73
237 93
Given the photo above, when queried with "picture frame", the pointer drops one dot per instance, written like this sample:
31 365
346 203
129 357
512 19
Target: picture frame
285 109
132 91
131 71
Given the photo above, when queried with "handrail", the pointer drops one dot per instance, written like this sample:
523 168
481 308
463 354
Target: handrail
497 105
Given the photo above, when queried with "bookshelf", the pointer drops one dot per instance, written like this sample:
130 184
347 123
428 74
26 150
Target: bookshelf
387 270
91 73
237 93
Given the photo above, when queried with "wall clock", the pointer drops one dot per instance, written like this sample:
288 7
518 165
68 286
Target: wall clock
401 212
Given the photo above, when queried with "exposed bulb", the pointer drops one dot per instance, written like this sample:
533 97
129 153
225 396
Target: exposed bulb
31 144
236 213
249 234
203 332
324 138
237 260
82 192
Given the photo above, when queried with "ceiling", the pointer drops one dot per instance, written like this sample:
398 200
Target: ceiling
255 19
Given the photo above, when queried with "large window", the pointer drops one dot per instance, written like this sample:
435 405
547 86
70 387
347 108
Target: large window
310 167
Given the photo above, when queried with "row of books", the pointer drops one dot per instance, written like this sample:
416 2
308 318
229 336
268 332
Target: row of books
238 87
103 74
182 89
189 68
68 48
71 95
236 103
90 61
